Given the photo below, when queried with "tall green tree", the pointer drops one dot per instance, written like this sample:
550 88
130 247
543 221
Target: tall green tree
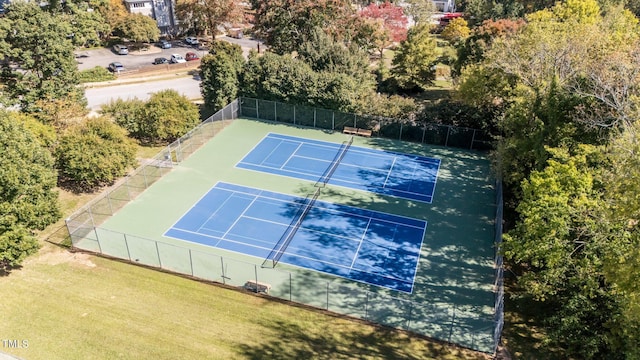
556 241
413 64
139 28
285 24
220 71
28 201
323 53
40 64
94 153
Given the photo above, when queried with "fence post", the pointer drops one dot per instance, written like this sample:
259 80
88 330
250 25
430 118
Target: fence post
446 141
355 120
400 135
257 111
224 276
294 114
191 262
314 117
126 244
333 120
424 133
275 113
95 230
366 306
290 288
158 251
255 270
473 138
327 295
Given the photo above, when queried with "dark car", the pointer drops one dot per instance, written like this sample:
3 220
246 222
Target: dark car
191 56
164 44
160 60
116 67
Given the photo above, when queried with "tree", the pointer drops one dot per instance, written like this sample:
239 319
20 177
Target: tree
128 114
27 199
113 11
285 24
457 30
621 213
205 16
40 65
323 53
389 21
481 10
413 63
139 28
89 26
279 78
94 153
421 11
557 242
220 71
167 116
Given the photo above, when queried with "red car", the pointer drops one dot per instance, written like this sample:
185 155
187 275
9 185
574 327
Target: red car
191 56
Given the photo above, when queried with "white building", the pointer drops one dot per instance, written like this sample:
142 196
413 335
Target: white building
162 11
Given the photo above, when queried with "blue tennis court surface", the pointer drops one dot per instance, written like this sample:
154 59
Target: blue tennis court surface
362 245
407 176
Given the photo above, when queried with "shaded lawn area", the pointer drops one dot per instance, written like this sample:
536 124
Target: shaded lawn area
77 306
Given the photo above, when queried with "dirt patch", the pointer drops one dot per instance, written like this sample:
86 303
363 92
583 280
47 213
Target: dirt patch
55 256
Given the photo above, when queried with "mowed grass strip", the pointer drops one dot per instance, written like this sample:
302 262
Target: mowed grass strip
78 306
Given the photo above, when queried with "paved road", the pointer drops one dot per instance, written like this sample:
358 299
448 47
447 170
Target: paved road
88 59
185 85
144 87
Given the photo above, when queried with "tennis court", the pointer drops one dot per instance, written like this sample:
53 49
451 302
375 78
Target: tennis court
382 172
357 244
427 267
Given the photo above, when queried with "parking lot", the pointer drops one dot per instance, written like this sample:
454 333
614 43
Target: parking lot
137 60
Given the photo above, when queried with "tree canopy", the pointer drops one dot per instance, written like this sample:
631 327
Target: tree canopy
94 153
41 65
220 72
27 199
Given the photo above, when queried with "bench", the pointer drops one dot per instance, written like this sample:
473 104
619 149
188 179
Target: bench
356 131
257 287
350 130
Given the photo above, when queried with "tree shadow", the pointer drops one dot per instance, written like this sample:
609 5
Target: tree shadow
293 341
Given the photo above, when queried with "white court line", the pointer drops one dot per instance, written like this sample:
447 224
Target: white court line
291 156
241 215
389 173
364 234
216 211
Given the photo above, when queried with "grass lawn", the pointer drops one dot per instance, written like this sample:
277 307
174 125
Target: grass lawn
77 306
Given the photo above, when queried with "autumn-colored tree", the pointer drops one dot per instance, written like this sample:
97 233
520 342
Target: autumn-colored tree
457 30
390 24
204 17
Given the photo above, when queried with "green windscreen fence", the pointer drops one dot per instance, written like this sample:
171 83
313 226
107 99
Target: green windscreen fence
398 129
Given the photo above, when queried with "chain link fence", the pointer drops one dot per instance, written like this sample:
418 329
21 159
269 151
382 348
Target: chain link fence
398 129
455 324
81 225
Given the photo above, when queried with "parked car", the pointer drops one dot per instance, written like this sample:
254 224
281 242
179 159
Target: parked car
120 49
191 40
160 60
116 67
191 56
177 58
164 44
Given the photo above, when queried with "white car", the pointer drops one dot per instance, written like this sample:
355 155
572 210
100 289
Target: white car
177 59
191 40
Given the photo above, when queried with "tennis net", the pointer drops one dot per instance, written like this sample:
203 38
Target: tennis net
278 250
324 179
